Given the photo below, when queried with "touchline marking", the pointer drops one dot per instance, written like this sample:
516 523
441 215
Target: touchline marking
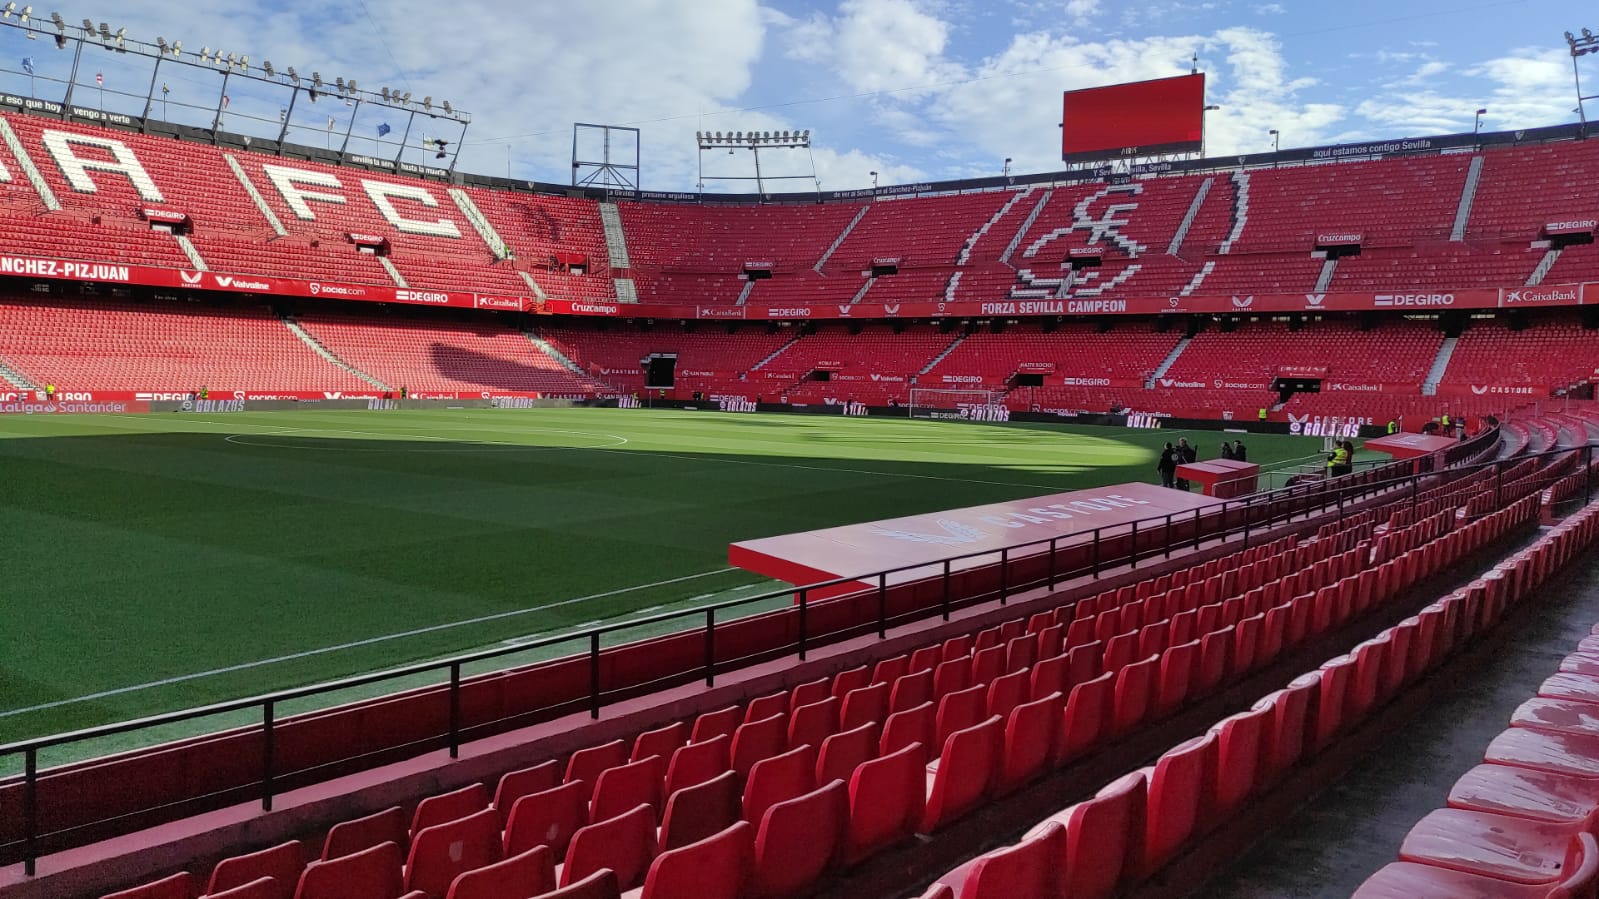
884 474
261 663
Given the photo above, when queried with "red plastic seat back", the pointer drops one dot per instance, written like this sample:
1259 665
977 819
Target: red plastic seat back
1239 741
780 777
625 844
763 707
1007 692
177 886
1088 717
811 724
1291 724
260 888
1028 870
886 797
1179 797
626 786
372 873
719 723
547 819
799 839
810 692
350 837
449 806
911 691
889 670
843 752
716 867
1030 733
601 884
1135 685
864 705
697 762
283 863
1049 676
530 874
516 784
967 769
587 763
915 725
852 679
443 851
666 740
694 813
758 740
1102 838
960 710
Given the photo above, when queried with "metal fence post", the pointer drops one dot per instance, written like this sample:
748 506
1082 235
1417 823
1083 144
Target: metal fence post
455 710
30 811
1052 564
1588 480
1249 517
1499 486
882 605
1096 553
594 675
710 647
1167 541
268 752
1004 574
944 605
1198 527
1132 558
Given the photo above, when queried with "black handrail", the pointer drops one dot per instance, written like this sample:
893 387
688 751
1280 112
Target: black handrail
1322 494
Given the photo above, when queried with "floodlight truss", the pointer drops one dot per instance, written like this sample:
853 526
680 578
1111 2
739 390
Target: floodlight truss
1582 45
755 142
227 65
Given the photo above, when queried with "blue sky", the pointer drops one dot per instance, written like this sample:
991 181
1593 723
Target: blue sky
912 89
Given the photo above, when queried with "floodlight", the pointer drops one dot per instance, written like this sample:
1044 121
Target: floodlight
204 52
427 102
61 24
6 13
122 33
447 108
385 94
230 58
351 85
177 48
316 78
407 98
266 66
105 31
293 75
340 83
89 26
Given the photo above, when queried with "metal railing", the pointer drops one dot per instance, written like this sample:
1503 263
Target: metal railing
1104 548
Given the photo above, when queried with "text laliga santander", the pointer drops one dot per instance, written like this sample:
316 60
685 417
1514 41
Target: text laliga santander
1477 298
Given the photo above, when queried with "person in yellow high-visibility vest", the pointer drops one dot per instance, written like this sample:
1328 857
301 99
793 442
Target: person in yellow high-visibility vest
1338 462
1262 415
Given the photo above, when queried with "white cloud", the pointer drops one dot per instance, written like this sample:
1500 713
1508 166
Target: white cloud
1526 88
1269 9
878 45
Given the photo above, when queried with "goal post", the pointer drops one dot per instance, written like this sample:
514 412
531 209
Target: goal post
939 402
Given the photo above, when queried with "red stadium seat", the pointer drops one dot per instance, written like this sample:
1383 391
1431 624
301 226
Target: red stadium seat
1088 717
864 705
516 784
915 725
715 724
601 884
813 723
1405 880
960 710
1561 715
1030 732
694 813
283 863
756 740
1103 836
1179 800
449 807
1008 691
698 762
1498 846
625 786
1528 793
811 692
716 867
760 707
886 798
798 840
911 691
624 844
548 818
373 873
663 741
1239 742
443 851
530 874
853 679
177 886
889 670
777 779
1030 868
964 773
350 837
587 763
260 888
844 751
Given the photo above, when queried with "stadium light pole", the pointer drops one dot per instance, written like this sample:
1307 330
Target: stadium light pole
755 141
1276 140
1581 46
1476 127
874 179
1005 171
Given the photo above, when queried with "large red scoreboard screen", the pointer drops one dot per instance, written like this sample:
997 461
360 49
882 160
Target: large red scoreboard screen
1144 118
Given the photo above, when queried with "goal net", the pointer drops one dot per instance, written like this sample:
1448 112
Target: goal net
965 405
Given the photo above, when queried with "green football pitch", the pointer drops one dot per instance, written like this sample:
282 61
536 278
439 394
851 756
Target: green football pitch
154 563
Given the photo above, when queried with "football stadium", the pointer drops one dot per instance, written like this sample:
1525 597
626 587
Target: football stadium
1166 523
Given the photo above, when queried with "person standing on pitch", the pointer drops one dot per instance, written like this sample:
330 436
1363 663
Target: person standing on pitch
1239 453
1226 450
1185 454
1168 466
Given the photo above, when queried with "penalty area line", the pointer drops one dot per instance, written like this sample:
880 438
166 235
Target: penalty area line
354 644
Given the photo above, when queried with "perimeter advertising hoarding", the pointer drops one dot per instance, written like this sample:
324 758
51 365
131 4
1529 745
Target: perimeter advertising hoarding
1144 118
